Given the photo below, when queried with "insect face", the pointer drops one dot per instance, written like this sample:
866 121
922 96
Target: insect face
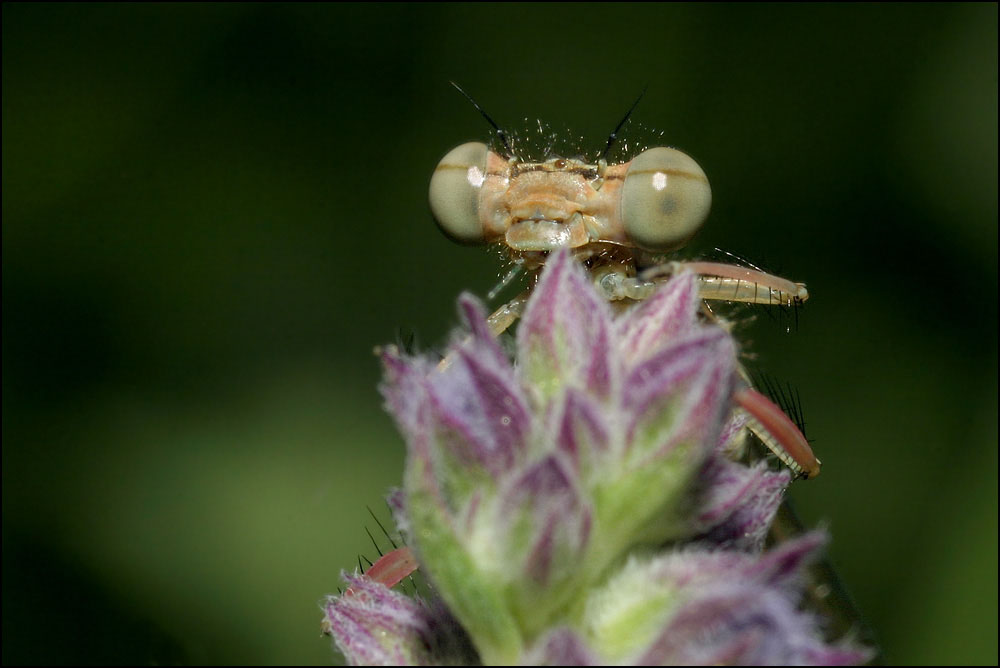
655 202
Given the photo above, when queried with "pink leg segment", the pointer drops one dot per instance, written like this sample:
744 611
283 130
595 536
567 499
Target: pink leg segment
787 442
391 568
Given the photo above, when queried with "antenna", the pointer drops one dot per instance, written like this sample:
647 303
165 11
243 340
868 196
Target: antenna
614 133
500 133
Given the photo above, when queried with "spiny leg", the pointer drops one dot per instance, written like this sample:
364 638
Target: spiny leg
729 282
716 282
777 432
505 316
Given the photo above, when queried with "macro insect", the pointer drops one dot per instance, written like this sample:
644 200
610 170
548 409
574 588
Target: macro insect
618 220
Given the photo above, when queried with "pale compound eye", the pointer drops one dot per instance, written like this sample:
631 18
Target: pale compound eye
665 199
454 192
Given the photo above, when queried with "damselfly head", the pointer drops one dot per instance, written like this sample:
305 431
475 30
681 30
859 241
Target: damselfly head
655 202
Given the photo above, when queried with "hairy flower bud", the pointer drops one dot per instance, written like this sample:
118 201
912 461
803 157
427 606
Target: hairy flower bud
577 504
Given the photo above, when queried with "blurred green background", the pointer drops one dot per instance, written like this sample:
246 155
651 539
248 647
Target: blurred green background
213 213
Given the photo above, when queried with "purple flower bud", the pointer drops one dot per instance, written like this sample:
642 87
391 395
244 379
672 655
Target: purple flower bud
375 626
699 607
565 337
546 520
665 318
738 503
743 610
580 504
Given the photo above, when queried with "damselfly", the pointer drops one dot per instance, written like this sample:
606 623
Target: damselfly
619 220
